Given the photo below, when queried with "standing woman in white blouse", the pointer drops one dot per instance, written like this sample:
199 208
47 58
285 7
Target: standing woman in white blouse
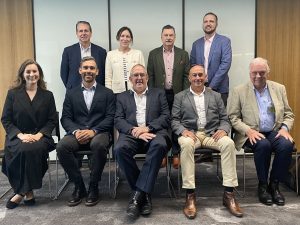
120 61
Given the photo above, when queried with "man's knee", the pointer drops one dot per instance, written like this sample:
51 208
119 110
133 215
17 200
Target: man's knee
186 144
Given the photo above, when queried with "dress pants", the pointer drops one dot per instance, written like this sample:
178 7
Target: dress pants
127 147
99 146
228 158
262 156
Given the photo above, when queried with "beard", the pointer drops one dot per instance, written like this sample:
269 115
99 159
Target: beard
209 31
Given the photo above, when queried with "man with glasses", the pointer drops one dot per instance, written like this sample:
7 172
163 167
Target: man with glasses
73 54
142 119
88 117
199 119
262 118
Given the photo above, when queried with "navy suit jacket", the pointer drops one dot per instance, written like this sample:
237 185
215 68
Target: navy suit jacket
71 57
100 117
219 61
157 112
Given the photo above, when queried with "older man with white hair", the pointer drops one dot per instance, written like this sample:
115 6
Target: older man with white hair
262 118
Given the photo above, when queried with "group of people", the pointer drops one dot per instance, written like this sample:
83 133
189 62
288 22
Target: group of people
175 103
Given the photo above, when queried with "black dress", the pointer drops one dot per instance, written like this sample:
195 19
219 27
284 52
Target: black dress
26 163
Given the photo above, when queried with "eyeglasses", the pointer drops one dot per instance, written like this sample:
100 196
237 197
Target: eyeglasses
260 73
88 67
136 75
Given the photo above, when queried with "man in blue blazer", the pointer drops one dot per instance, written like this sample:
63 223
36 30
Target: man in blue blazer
142 118
214 52
73 54
88 117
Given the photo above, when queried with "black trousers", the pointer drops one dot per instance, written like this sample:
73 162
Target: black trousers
99 146
127 147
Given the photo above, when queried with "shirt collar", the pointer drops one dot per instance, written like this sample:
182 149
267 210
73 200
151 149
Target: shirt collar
85 49
194 93
210 39
265 88
165 50
91 88
144 92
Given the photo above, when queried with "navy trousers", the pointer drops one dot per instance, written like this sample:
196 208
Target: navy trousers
127 147
263 149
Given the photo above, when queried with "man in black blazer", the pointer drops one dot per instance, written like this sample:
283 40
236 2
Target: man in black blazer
88 115
73 54
142 118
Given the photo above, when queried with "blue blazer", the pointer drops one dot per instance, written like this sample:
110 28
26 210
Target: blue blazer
219 61
71 57
100 117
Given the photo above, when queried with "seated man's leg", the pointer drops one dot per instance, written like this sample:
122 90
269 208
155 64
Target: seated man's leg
187 146
65 152
99 146
262 157
283 149
228 162
125 149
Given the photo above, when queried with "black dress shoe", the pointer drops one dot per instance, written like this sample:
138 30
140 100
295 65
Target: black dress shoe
147 205
263 195
277 197
78 194
29 202
135 204
93 195
10 204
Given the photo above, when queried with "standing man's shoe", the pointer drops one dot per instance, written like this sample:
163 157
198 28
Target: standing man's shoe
135 204
263 195
147 206
93 195
176 161
78 194
277 197
190 210
231 204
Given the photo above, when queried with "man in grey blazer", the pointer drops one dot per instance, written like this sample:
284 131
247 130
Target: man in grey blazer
199 119
262 118
168 69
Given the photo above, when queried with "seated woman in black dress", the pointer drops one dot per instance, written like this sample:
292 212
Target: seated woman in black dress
28 117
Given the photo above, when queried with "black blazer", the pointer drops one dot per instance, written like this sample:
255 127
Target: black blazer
21 115
75 114
71 57
157 112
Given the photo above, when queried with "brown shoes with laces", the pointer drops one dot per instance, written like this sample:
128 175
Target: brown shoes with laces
190 210
176 161
231 204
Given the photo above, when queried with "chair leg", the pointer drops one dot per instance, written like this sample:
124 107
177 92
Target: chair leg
244 175
170 185
297 178
116 179
60 190
8 190
49 175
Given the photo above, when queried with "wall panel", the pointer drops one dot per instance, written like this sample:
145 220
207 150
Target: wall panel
16 43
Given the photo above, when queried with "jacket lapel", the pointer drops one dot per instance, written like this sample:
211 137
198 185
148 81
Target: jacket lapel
177 58
212 48
160 59
252 101
192 101
274 98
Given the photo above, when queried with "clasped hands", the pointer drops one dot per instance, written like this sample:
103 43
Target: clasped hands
30 138
142 133
84 136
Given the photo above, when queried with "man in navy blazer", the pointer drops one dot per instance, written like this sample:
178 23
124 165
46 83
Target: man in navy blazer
88 116
214 52
73 54
142 118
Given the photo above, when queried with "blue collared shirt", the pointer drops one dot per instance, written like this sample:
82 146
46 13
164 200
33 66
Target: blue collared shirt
266 110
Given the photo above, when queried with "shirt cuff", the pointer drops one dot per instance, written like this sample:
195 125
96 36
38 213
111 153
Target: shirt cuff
283 126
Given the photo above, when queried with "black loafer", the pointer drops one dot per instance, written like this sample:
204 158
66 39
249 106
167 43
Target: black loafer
277 197
10 204
147 205
29 202
263 195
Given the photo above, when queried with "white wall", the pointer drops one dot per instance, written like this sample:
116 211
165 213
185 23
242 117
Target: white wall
54 23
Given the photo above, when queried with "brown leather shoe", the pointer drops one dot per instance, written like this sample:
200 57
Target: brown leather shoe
190 210
231 204
163 162
176 161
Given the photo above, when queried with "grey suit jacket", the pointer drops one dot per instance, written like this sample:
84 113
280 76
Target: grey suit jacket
184 113
243 110
156 69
